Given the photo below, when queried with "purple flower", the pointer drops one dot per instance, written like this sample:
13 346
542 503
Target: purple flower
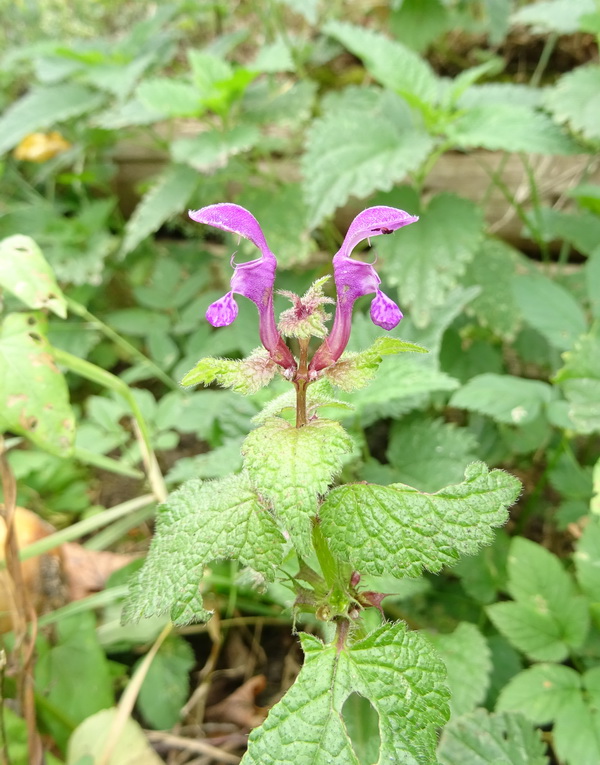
353 279
254 279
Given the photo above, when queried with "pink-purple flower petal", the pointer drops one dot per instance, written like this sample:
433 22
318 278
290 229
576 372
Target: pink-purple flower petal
222 312
384 312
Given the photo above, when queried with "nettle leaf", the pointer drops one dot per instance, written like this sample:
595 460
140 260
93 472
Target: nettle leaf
243 376
493 270
44 107
391 63
25 272
418 23
580 381
394 669
34 393
504 398
550 309
167 197
429 454
509 127
398 530
467 657
356 370
541 692
427 259
481 738
291 466
199 523
342 159
212 149
548 618
575 100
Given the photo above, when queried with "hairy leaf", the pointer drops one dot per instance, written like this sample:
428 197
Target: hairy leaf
399 530
481 738
167 197
504 398
244 376
33 391
344 159
292 466
170 97
393 668
212 149
356 370
25 272
199 523
44 107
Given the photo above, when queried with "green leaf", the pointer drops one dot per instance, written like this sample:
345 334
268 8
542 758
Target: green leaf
575 100
211 150
172 98
587 560
165 687
504 398
292 466
466 654
398 530
429 454
551 309
74 663
356 370
548 618
418 23
45 107
131 747
493 270
560 16
25 272
395 670
199 523
390 63
427 259
541 692
576 732
167 197
491 739
484 574
580 380
244 376
34 392
344 159
509 127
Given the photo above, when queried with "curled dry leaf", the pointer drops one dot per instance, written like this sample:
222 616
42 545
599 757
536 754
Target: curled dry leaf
240 706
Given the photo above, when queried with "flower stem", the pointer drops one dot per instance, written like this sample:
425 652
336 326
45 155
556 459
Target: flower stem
301 383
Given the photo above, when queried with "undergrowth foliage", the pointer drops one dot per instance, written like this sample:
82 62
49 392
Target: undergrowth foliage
282 517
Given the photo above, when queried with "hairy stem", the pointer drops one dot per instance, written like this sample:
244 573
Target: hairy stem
301 383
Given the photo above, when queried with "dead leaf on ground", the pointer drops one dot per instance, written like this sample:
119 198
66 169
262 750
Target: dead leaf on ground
240 707
87 571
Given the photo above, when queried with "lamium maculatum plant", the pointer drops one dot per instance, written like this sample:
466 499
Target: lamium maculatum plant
283 508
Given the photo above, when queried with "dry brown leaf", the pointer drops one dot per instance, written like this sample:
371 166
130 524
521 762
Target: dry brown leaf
240 706
88 570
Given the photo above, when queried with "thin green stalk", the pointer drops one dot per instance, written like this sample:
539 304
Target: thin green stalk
85 526
549 46
92 602
118 529
106 463
127 348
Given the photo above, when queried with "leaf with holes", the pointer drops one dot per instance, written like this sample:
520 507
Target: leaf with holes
199 523
394 669
25 272
398 530
292 466
33 391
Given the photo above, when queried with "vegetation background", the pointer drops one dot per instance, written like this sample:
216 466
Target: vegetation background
483 117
